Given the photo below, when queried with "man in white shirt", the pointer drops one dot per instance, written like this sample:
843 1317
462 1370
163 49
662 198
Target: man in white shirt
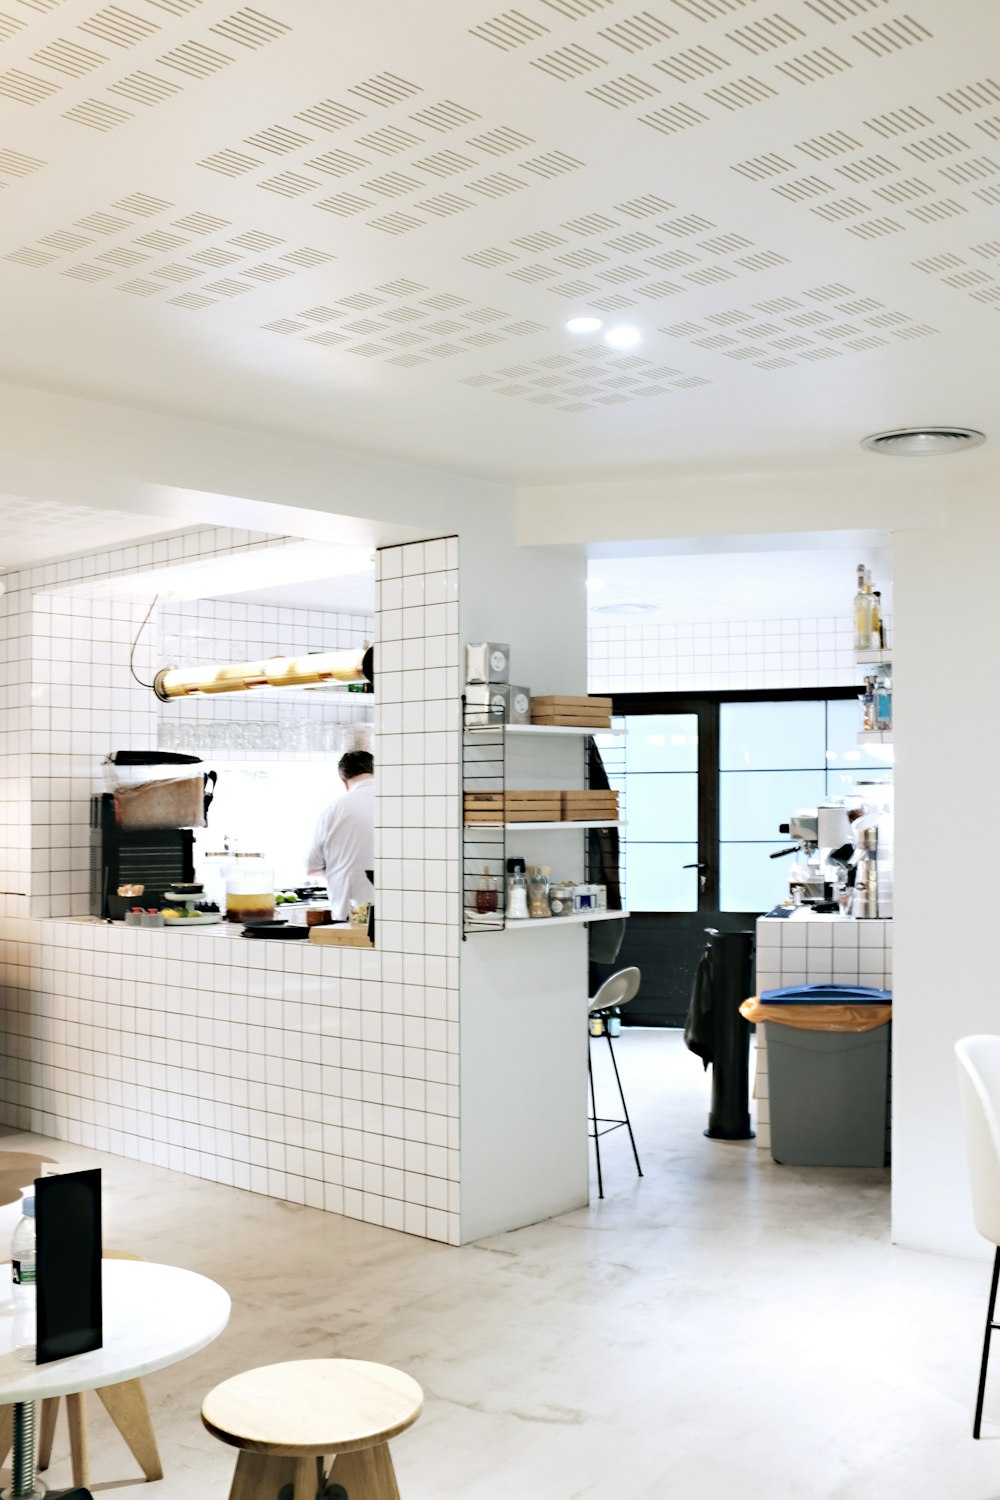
344 844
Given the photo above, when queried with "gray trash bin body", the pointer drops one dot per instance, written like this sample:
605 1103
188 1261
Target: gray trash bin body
828 1089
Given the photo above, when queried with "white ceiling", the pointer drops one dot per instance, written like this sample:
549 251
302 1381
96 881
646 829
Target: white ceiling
30 530
368 223
732 586
350 594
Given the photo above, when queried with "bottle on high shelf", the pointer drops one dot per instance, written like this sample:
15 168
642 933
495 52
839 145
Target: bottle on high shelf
863 603
876 599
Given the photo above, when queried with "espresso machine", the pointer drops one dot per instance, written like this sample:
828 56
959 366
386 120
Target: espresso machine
824 849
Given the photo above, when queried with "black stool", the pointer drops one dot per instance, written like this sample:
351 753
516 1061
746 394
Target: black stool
613 993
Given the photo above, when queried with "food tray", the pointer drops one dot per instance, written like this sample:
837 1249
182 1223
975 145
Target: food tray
200 919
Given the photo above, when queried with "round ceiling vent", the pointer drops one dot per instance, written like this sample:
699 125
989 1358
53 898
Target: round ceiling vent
923 442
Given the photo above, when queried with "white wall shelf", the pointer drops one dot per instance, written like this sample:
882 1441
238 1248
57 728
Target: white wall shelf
563 823
876 658
874 736
542 729
578 919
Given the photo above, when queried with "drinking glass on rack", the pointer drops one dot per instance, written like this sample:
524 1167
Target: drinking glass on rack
270 736
236 735
288 735
252 737
166 734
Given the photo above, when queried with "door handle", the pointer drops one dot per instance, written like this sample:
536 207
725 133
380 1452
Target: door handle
701 867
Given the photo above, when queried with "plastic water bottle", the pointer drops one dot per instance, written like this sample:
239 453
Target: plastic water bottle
22 1256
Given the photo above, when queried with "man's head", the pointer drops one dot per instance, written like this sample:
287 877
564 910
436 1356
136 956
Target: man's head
354 765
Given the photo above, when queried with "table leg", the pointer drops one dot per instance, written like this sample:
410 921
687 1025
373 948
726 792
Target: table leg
23 1482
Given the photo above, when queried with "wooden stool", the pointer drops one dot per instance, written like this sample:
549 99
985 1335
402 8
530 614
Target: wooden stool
288 1419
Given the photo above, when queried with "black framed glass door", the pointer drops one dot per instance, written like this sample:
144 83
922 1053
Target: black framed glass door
705 782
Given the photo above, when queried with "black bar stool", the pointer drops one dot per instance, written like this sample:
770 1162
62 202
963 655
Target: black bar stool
613 994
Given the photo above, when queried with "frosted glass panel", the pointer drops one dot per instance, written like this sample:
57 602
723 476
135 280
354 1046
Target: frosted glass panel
752 805
662 742
749 880
662 807
771 736
655 880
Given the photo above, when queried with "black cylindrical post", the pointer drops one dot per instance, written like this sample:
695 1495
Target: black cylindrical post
732 975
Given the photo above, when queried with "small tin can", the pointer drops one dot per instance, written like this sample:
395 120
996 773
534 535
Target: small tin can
561 900
519 705
487 661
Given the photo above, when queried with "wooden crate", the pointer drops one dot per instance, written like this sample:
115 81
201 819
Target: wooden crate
588 805
513 807
565 703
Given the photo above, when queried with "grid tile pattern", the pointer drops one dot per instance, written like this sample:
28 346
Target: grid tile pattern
727 654
323 1076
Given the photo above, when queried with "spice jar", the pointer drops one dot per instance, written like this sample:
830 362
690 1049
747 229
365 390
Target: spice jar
249 889
517 890
538 891
487 894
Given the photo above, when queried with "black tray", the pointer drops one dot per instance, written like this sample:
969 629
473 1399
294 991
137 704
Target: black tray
275 930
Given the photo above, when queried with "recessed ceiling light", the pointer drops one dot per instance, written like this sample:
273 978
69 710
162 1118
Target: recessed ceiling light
923 442
623 337
622 609
584 325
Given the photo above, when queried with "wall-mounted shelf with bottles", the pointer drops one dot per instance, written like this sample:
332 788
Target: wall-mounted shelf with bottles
487 749
474 921
874 736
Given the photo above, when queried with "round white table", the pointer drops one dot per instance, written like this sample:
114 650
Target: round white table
153 1316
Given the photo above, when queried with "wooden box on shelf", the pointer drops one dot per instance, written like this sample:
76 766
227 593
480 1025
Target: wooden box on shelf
573 712
587 806
512 807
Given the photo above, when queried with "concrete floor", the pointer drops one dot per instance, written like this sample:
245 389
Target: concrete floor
723 1328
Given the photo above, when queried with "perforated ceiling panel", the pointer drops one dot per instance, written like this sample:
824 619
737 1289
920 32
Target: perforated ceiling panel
366 227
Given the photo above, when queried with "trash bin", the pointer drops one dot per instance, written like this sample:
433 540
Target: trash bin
828 1072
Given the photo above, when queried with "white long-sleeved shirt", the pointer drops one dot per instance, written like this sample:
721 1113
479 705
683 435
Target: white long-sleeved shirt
344 848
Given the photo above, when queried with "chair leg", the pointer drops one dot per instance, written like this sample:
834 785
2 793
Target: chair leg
593 1112
367 1474
621 1095
79 1447
978 1421
126 1405
262 1476
6 1432
47 1432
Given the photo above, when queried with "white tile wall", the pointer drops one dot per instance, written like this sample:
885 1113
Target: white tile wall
322 1076
727 654
799 951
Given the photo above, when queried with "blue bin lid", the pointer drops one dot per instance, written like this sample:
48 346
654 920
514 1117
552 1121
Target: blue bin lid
826 994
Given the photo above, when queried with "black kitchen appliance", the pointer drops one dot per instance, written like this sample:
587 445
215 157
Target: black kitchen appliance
154 858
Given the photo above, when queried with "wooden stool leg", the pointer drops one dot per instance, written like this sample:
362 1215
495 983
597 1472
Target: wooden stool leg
367 1474
262 1476
306 1479
6 1431
126 1405
47 1432
76 1416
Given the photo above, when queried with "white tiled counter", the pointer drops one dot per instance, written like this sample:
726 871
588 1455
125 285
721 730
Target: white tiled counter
810 949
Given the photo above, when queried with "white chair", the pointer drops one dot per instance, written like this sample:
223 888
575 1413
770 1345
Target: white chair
979 1086
613 994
